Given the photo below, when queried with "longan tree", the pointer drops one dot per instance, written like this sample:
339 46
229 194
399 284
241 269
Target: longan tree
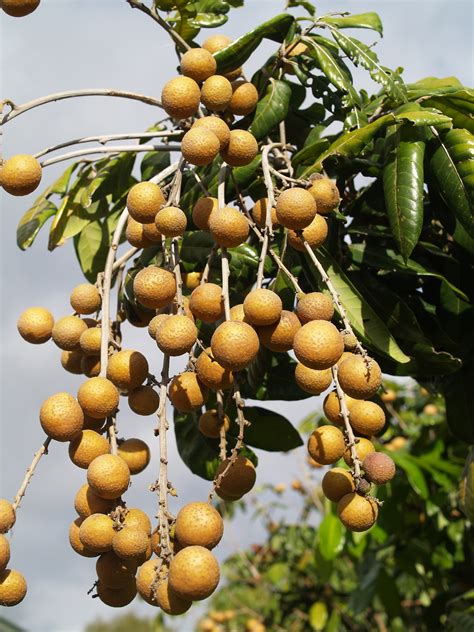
258 256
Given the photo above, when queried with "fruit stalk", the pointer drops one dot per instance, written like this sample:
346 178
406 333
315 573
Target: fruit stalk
181 44
268 230
163 513
29 473
222 432
109 150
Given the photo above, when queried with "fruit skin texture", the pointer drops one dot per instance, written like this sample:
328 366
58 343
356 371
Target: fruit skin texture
244 98
75 542
187 393
234 344
85 299
314 306
357 513
241 150
216 93
239 478
114 572
19 8
259 213
262 307
86 446
228 227
367 418
379 468
326 444
135 234
217 126
144 200
4 552
144 400
119 597
206 302
202 211
211 373
358 379
364 447
61 417
12 587
180 97
318 344
315 234
138 519
332 408
194 573
21 174
108 476
127 369
198 63
35 325
177 335
326 195
67 332
215 43
90 366
165 598
200 146
154 287
130 543
279 336
98 397
295 208
200 524
171 221
7 515
86 502
336 483
135 453
209 425
71 361
96 533
312 381
155 323
90 341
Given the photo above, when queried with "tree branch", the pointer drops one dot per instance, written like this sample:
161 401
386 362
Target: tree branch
181 44
29 473
109 150
351 442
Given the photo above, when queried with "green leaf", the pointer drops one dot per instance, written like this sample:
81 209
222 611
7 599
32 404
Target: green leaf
318 616
369 20
276 381
334 69
270 431
201 455
413 473
278 574
154 162
195 249
331 536
424 117
453 108
112 177
272 109
460 406
91 247
403 187
309 153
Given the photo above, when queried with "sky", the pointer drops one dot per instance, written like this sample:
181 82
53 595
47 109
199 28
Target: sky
71 44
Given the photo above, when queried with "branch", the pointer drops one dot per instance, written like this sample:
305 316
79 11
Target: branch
177 274
110 150
222 432
29 473
181 44
124 258
207 268
351 442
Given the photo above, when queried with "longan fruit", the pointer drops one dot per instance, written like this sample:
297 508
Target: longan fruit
4 552
237 313
379 468
315 234
389 396
86 446
244 98
169 601
35 325
12 587
108 476
360 378
209 424
194 573
238 480
211 373
217 126
163 596
90 366
144 200
356 512
198 523
152 233
71 361
76 543
364 447
67 332
192 280
171 221
97 532
198 64
325 194
241 150
135 234
113 571
7 515
117 597
202 211
336 483
314 306
86 502
279 336
228 227
397 443
98 397
200 146
234 344
332 408
85 299
187 393
262 307
367 418
326 444
144 400
90 341
137 518
215 43
313 381
146 579
135 453
127 369
206 302
20 175
61 417
259 213
295 208
19 8
318 344
130 543
177 335
155 323
93 424
216 93
154 287
180 97
350 342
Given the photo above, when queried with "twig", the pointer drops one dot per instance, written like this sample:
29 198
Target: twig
124 258
351 443
109 150
207 267
29 473
181 44
177 274
225 281
222 431
221 186
268 230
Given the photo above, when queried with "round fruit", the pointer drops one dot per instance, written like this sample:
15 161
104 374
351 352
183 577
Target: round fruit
200 524
130 543
262 307
35 325
86 502
325 194
19 8
211 373
379 468
108 476
237 313
12 587
144 400
177 335
216 93
259 213
397 443
98 397
217 126
318 344
152 233
180 97
194 573
241 150
389 396
155 323
367 418
61 417
71 361
228 227
154 287
314 306
357 513
350 342
113 572
202 211
332 408
336 483
295 208
93 424
326 444
86 446
187 393
85 299
192 280
97 532
7 515
360 378
146 580
4 552
117 597
364 447
135 234
238 479
90 366
210 426
144 200
215 43
315 235
159 594
200 146
76 543
198 63
206 302
169 601
244 98
67 332
90 341
279 337
135 453
171 221
21 174
137 519
312 381
234 345
127 369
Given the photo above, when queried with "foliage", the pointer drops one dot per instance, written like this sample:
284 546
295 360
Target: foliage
128 622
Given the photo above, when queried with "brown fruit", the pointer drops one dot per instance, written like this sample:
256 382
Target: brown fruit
315 234
198 63
155 323
217 126
244 98
210 426
96 533
215 43
360 378
234 345
19 8
4 552
176 335
312 381
238 479
117 597
86 502
336 483
295 208
367 418
127 369
332 408
76 543
228 227
152 233
135 453
318 344
171 221
144 200
357 513
163 596
262 307
169 601
216 93
364 447
154 287
86 446
61 417
325 194
211 373
180 97
350 342
200 146
67 332
198 523
135 234
98 397
314 306
187 393
192 280
90 341
379 468
90 366
71 361
21 174
138 519
144 400
202 211
206 302
7 515
241 150
12 587
259 213
35 325
114 572
237 313
130 543
85 299
108 476
389 396
194 573
279 336
326 444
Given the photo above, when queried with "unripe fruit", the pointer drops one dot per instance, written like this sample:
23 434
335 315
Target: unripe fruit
210 425
19 8
241 150
144 400
336 483
228 227
135 234
118 597
114 572
192 280
206 302
360 378
364 447
135 453
315 234
61 417
98 397
4 552
180 97
96 533
35 325
90 341
127 369
137 519
332 407
238 479
314 306
211 373
152 233
21 174
194 573
215 43
326 444
108 476
234 345
244 98
85 299
177 335
279 336
262 307
12 587
198 63
171 221
217 126
325 194
86 502
350 342
216 93
318 344
67 332
259 213
187 393
90 366
202 212
357 513
200 524
86 446
130 543
71 361
200 146
295 208
144 200
312 381
7 515
154 287
367 418
76 543
379 468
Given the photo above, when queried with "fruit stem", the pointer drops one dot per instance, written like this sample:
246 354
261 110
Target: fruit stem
207 267
181 44
222 433
177 274
110 150
29 473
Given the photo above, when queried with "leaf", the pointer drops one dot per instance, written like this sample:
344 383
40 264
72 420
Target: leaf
369 20
403 187
459 405
276 381
270 431
310 152
91 249
333 68
272 109
413 473
154 162
112 176
278 574
195 249
457 104
318 616
424 117
201 455
331 536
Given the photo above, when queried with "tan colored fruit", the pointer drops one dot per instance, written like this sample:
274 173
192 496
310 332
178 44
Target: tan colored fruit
430 409
155 324
135 453
21 174
12 587
325 194
180 97
295 208
215 43
35 325
114 572
244 98
379 468
259 213
144 200
171 221
241 150
96 533
130 543
187 393
85 299
312 463
86 446
61 417
169 601
135 234
194 573
228 227
216 93
164 597
217 126
71 361
19 8
4 552
90 366
154 287
90 341
67 332
127 369
206 302
211 373
359 378
76 543
279 336
151 232
192 280
137 519
318 344
177 335
239 478
202 211
108 476
199 524
336 483
314 306
397 443
118 597
93 424
332 408
7 515
210 426
262 307
98 397
350 342
86 502
234 345
200 146
312 381
198 63
144 400
367 418
315 234
326 444
389 396
237 313
357 513
364 447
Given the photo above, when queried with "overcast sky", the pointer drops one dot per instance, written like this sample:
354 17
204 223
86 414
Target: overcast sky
70 44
